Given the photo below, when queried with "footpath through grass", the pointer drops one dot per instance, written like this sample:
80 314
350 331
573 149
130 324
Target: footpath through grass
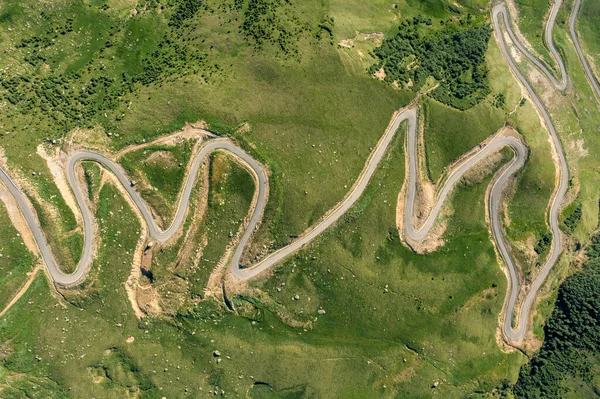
15 259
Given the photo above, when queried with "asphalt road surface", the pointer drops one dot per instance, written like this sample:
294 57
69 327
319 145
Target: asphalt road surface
513 334
153 229
516 333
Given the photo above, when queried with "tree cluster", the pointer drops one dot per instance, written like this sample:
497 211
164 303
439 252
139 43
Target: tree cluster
543 244
453 54
572 336
573 219
277 23
185 10
83 97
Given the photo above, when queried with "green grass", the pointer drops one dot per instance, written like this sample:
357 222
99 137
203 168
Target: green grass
230 193
532 18
527 210
330 359
589 34
440 310
159 172
346 275
15 262
449 133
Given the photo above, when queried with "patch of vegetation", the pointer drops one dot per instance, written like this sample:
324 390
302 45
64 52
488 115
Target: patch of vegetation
120 370
19 386
276 22
159 172
185 10
567 363
449 133
91 175
453 54
262 390
499 100
543 244
81 93
574 217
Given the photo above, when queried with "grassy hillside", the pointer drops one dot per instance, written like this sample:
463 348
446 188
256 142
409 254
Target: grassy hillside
357 314
532 16
15 260
589 34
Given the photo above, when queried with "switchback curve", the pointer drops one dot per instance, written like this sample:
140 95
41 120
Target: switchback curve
516 334
408 114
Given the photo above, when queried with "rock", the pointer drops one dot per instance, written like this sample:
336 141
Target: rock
216 354
218 360
296 297
435 384
321 311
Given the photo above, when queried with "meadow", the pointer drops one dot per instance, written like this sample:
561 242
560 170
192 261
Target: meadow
16 260
355 314
589 36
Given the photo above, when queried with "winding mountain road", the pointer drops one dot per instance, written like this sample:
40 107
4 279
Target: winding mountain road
417 233
589 74
511 333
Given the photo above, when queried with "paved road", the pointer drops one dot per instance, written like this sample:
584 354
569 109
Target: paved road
582 58
154 230
515 334
499 11
418 234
